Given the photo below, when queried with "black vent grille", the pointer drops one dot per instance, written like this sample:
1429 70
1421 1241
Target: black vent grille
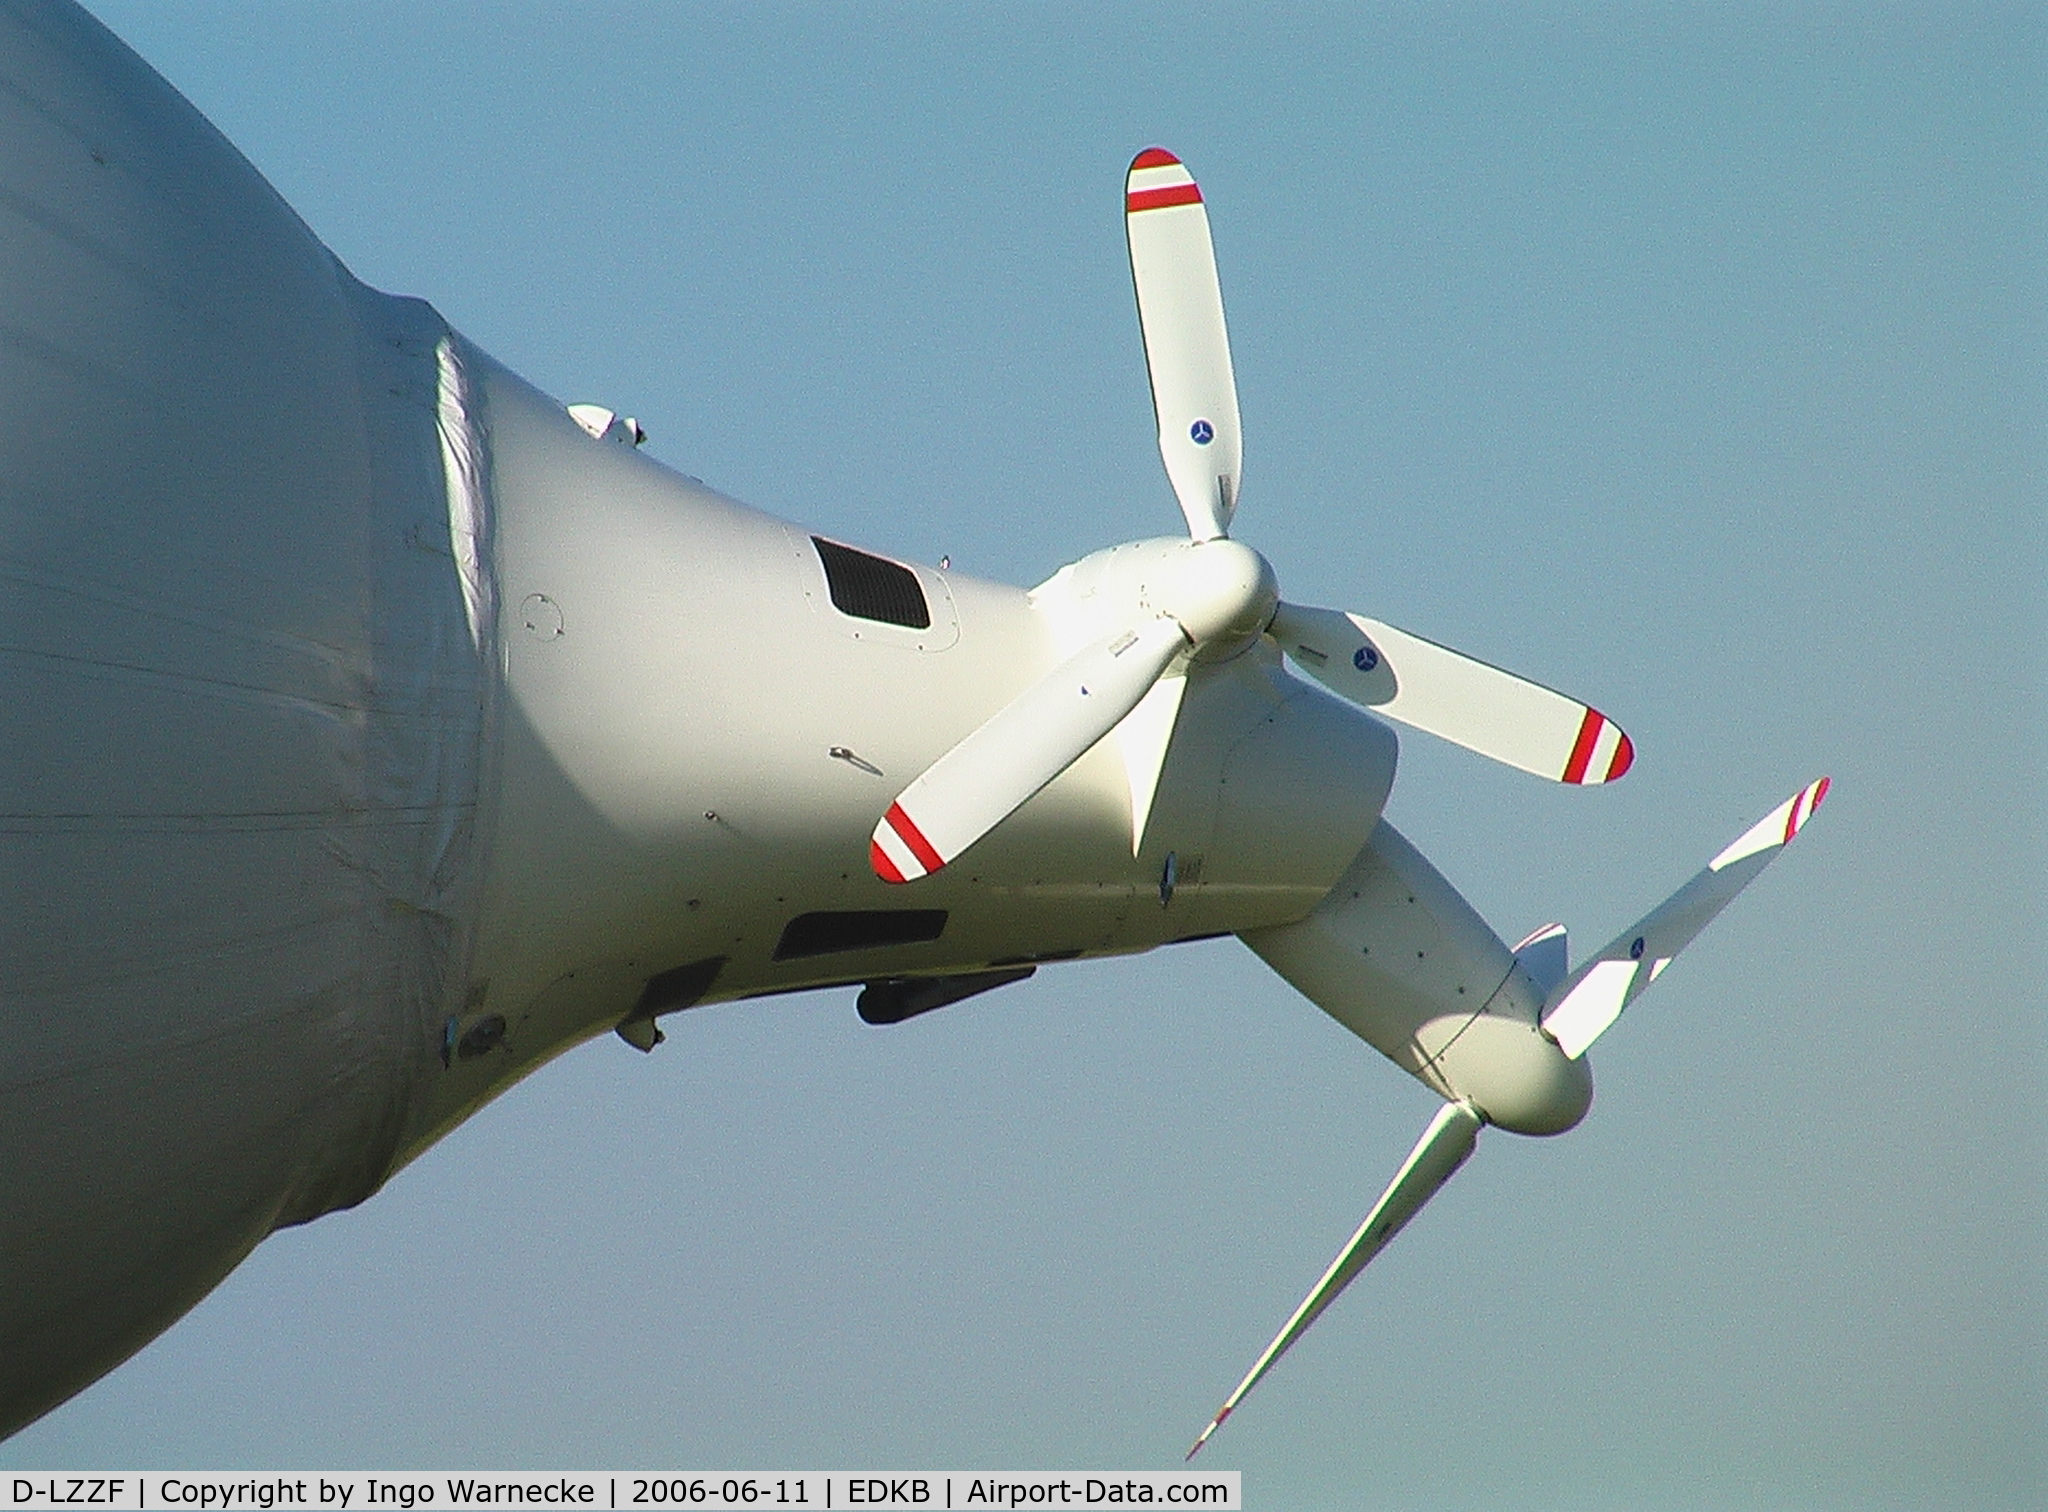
872 587
816 934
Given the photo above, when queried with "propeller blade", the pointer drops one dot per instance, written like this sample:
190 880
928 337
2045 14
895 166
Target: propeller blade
1444 1146
1454 696
1187 348
1044 730
1585 1003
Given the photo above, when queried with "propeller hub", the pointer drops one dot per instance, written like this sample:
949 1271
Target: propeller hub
1221 593
1514 1074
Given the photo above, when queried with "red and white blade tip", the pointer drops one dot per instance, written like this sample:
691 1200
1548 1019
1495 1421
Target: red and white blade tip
1214 1423
1601 753
1158 181
1806 804
1778 826
899 851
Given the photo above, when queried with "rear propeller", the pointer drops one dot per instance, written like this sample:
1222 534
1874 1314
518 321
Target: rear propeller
1209 594
1577 1011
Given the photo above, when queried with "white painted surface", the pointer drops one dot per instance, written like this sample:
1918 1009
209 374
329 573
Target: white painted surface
1584 1013
1187 348
986 777
1446 1144
1452 696
1588 1002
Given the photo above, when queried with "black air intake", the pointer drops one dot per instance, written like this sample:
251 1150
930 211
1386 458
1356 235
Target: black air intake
872 587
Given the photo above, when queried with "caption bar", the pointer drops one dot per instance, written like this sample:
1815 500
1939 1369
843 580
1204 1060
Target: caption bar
448 1491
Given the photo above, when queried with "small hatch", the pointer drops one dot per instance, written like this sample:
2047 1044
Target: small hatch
873 588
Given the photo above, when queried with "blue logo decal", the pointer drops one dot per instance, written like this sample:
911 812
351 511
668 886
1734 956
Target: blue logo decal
1365 658
1635 951
1202 432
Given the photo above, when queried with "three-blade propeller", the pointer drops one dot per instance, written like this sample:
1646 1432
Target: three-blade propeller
1221 594
1579 1009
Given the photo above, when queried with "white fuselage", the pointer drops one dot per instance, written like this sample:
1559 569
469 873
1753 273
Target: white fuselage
692 745
374 734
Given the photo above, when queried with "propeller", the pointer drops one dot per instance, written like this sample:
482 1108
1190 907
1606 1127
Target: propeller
1579 1009
1210 596
1445 1145
981 781
1453 696
1586 1003
1187 348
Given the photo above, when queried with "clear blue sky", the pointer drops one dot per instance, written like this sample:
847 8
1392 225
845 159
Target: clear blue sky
1691 361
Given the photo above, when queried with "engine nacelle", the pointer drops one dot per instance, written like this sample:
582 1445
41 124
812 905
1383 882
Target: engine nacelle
1397 956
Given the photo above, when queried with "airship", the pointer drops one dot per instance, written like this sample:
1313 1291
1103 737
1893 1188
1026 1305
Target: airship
378 728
